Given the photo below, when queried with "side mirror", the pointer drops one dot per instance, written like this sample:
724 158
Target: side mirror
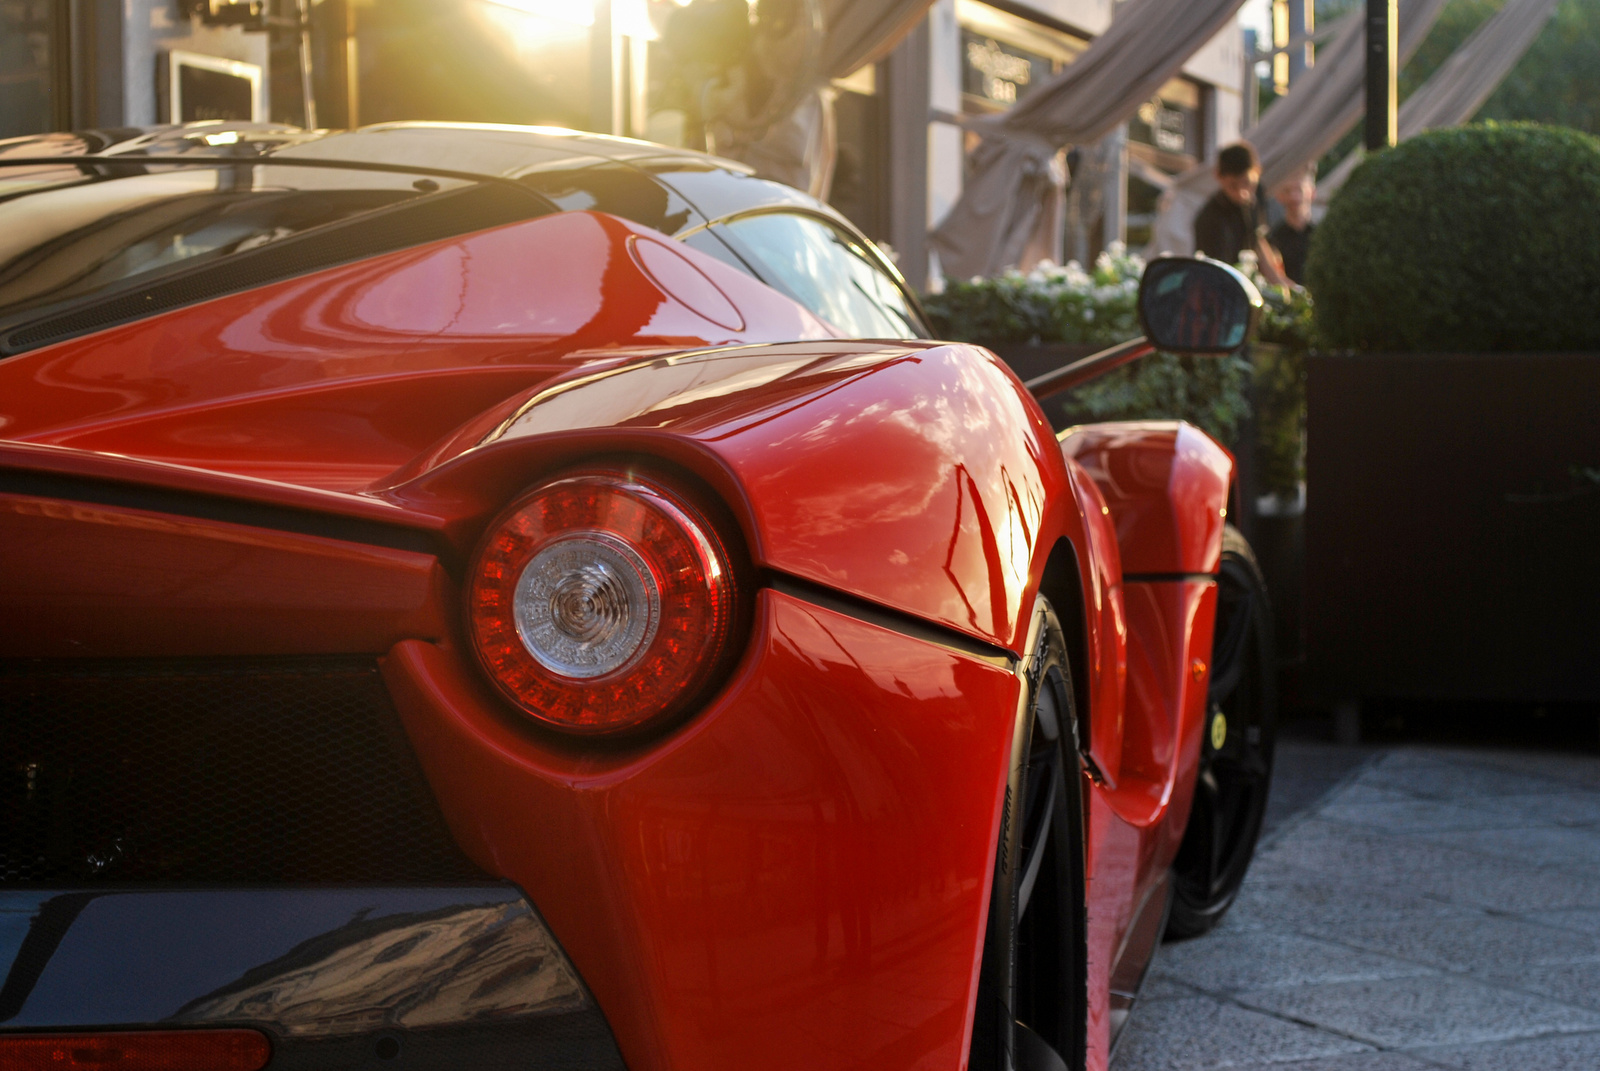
1197 305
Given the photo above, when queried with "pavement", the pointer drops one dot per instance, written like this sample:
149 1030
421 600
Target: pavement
1409 908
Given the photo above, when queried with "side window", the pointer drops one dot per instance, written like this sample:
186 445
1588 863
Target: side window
827 271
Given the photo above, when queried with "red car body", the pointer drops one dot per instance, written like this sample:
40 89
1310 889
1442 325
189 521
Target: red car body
795 876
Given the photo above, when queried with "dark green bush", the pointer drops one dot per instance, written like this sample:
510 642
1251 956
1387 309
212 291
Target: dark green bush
1477 238
1097 307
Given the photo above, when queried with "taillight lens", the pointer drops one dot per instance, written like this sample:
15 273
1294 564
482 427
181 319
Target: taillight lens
156 1050
601 603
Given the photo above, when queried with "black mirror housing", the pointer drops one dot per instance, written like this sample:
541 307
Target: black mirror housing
1196 305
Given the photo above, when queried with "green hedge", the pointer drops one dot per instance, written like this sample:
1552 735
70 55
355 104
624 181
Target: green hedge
1471 239
1097 307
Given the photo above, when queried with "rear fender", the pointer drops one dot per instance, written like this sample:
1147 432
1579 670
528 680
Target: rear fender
918 477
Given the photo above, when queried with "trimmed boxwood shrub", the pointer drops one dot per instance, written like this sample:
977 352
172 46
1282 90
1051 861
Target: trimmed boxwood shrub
1471 239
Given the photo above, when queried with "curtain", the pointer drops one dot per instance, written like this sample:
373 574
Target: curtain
800 148
1008 177
1454 93
1320 109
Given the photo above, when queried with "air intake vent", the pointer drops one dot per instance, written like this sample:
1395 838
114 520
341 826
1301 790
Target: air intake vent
426 219
261 773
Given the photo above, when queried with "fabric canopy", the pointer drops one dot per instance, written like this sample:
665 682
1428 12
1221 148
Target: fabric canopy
1009 174
799 148
1322 106
858 32
1454 93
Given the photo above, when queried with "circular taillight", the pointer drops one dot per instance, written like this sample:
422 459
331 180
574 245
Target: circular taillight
601 603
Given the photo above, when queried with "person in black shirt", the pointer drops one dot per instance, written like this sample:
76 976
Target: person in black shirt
1292 237
1230 222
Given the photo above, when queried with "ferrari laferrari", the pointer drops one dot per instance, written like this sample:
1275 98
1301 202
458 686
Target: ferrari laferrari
490 597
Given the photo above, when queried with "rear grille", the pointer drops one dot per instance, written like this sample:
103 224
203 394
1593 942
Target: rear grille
174 773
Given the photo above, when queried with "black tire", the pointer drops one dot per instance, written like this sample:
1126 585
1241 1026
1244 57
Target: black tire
1032 1004
1230 793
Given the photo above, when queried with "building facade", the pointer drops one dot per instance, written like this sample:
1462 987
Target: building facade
902 148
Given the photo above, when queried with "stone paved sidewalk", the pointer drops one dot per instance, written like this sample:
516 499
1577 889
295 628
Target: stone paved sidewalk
1439 908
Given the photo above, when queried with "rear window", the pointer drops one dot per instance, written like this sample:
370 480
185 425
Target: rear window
83 246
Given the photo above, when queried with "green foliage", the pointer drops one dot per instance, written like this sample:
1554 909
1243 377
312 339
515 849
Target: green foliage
1209 392
1477 238
1049 304
1284 336
1098 307
1558 81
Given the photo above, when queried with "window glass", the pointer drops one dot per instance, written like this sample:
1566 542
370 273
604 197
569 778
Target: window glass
28 32
828 272
66 233
602 186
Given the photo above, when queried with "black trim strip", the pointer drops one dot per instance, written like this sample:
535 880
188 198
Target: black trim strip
1164 578
211 508
893 620
100 164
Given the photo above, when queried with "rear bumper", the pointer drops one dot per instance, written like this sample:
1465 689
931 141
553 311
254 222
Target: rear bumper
345 977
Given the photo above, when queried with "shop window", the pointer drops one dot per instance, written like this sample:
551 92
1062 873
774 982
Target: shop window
861 162
28 40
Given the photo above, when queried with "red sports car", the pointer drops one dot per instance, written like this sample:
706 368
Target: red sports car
485 597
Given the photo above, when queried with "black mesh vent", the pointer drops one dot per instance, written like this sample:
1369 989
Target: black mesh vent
426 219
260 773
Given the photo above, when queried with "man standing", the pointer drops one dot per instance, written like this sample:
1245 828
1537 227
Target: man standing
1230 221
1292 237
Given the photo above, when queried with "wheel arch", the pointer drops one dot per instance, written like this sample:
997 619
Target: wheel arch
1062 585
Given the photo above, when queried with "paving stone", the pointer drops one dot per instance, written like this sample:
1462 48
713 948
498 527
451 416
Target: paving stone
1230 962
1575 1052
1577 984
1295 900
1584 920
1356 1061
1411 864
1557 809
1467 884
1200 1034
1420 815
1361 791
1418 1012
1571 849
1577 770
1459 941
1162 986
1430 775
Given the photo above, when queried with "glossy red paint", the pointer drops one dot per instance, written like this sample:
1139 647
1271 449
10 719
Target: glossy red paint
919 477
792 880
103 581
796 876
1167 486
1158 506
338 378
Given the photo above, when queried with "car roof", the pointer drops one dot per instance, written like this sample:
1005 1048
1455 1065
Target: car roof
713 186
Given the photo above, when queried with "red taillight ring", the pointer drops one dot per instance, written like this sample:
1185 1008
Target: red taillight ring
601 602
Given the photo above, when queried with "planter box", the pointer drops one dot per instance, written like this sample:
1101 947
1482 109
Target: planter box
1451 552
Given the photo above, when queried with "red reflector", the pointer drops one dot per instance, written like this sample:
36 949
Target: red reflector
163 1050
601 602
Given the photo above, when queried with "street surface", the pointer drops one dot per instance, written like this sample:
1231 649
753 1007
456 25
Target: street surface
1434 908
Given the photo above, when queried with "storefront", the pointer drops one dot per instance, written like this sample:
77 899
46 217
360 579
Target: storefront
902 146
